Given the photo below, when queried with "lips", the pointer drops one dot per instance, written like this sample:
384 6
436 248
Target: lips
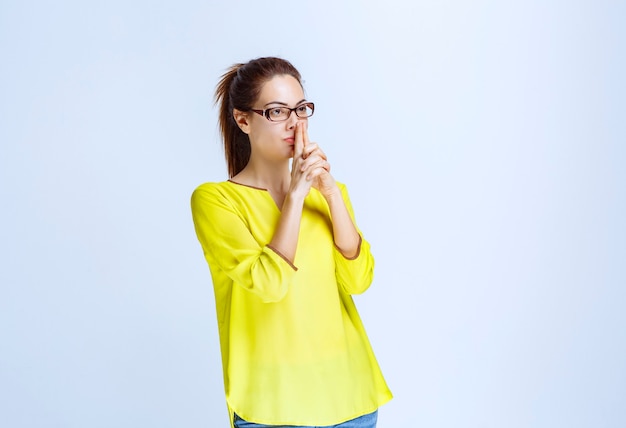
290 140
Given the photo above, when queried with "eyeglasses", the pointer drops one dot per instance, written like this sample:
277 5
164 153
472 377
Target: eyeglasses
281 114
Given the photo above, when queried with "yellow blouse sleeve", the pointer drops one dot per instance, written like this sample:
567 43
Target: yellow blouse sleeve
229 246
355 274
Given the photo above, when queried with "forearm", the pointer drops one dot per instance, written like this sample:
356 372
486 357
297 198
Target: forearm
285 239
345 234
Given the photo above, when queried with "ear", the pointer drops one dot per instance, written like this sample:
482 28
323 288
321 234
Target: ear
242 120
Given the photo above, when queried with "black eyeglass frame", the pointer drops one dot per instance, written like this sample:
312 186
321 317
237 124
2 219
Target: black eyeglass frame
266 114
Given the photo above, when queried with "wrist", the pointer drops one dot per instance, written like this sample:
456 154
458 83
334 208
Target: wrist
293 199
333 194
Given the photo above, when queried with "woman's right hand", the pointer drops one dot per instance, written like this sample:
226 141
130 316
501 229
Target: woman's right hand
307 165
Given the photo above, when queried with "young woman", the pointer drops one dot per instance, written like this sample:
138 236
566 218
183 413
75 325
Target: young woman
285 256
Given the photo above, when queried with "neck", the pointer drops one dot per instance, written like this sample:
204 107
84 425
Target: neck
273 177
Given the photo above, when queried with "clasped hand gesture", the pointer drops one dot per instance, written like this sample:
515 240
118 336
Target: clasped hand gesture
310 167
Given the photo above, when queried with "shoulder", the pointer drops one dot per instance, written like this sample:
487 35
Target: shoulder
208 188
208 192
226 194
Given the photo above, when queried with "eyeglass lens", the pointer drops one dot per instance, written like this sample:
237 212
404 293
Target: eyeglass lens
278 114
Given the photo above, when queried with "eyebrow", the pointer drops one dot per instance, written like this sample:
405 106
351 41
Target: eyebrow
284 104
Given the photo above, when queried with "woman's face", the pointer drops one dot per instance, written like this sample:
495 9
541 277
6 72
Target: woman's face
274 140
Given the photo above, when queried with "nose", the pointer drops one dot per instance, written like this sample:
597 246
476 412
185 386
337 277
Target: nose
292 120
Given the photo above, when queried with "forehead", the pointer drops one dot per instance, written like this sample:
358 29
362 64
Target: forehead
283 88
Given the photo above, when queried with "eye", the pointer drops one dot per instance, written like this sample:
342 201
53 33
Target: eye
276 112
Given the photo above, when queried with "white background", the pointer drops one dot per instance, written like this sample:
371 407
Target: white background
483 146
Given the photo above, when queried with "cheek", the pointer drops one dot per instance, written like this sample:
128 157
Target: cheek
266 132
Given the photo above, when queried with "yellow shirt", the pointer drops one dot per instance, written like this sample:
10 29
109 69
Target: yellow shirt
294 350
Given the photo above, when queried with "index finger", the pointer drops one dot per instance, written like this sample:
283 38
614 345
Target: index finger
305 133
298 145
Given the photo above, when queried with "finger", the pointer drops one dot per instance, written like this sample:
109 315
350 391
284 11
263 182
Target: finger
305 133
310 161
316 163
318 171
313 149
298 144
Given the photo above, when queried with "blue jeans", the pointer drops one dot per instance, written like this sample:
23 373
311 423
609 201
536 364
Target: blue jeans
365 421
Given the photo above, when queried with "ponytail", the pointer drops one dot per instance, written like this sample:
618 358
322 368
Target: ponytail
236 142
239 88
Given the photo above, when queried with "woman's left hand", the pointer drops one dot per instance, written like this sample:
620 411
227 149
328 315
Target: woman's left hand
324 182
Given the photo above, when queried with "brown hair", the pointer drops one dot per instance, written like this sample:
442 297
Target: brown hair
239 88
